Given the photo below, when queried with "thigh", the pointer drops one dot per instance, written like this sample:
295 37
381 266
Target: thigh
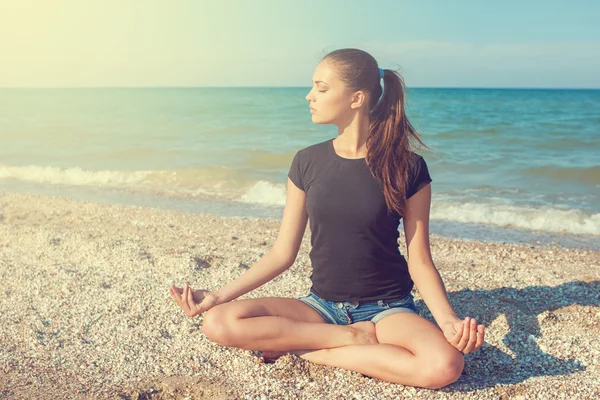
436 362
266 306
416 334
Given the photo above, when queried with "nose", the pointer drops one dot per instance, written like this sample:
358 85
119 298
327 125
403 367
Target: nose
308 96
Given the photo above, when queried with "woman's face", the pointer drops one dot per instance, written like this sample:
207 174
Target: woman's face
329 98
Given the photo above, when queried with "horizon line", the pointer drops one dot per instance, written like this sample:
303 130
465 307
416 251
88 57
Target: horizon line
294 87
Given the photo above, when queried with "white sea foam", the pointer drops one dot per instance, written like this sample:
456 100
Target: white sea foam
263 192
226 184
72 176
212 179
492 212
542 218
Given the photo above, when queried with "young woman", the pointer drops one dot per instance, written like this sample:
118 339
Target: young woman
359 313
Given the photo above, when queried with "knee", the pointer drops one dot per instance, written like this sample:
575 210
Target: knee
217 326
446 370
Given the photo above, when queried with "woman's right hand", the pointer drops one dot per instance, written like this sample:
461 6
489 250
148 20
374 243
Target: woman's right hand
193 302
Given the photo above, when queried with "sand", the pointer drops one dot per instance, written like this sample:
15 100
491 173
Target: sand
86 311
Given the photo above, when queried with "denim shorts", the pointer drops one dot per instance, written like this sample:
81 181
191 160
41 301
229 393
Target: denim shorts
349 312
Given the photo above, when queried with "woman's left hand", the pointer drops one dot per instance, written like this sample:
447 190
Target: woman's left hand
465 334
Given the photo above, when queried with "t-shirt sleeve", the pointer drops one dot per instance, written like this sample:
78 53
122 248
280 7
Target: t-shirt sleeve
419 177
295 173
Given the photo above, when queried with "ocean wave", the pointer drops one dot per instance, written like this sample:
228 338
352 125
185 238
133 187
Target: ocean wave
548 219
232 184
198 179
264 192
72 176
496 212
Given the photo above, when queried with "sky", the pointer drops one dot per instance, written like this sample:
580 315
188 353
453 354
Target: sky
461 43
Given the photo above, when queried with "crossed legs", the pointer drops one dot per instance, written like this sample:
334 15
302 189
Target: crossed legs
402 348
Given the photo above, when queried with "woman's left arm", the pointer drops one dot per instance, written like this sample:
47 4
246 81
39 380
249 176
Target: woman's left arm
465 335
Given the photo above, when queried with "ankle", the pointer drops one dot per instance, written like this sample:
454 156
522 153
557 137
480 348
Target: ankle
354 336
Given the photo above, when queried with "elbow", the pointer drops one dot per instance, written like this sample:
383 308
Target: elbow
285 259
287 262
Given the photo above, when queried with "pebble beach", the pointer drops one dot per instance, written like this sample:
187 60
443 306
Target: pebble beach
86 312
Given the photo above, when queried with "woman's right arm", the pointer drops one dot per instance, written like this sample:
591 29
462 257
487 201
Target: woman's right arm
281 256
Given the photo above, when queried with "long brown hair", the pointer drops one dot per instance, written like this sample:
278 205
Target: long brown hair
389 147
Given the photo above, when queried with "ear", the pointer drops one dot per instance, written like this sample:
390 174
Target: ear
358 99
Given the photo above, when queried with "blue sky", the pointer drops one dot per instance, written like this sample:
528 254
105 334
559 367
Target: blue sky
468 43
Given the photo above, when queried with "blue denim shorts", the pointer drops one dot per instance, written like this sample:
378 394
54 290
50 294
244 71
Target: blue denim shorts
349 312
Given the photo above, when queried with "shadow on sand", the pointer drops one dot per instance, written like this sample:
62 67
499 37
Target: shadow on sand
491 366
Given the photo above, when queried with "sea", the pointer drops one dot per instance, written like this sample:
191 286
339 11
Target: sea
508 165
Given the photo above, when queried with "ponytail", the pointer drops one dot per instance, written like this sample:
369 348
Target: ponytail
389 148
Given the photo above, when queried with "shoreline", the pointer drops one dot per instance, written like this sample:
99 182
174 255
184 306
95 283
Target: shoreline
228 208
87 310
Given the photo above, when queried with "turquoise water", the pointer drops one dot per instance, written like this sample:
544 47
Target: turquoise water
513 164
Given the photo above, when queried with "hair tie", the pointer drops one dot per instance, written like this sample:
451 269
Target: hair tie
380 73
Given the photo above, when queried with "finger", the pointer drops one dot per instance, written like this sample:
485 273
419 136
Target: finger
194 307
175 295
189 299
186 307
178 289
457 335
480 336
179 302
465 335
472 336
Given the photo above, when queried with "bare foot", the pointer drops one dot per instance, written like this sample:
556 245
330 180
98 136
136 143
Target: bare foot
364 333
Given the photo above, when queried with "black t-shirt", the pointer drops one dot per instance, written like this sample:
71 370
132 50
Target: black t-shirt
355 254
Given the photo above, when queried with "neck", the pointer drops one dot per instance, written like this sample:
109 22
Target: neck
352 136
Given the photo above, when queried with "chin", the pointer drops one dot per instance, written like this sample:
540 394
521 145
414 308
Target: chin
320 121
